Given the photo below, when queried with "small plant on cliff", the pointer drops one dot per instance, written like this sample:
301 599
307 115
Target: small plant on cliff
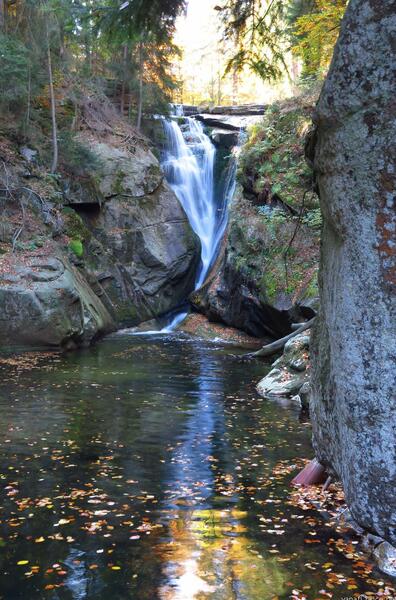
272 164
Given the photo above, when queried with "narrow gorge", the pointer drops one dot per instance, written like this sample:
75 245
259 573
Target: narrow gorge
197 285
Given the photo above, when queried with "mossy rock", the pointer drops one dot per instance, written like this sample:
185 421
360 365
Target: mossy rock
74 226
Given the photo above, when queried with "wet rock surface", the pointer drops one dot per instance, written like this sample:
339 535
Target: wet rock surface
108 251
143 251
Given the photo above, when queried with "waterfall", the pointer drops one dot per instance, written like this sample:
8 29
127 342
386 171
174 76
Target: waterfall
189 168
189 162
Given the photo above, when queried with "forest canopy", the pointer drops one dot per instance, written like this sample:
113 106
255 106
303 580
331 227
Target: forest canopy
264 31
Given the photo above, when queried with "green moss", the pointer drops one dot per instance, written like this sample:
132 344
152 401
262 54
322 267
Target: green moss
119 182
77 247
272 163
74 226
312 290
269 286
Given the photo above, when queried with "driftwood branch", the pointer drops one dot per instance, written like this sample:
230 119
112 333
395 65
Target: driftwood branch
271 349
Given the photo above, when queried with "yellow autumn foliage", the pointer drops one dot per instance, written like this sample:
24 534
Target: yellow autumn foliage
317 33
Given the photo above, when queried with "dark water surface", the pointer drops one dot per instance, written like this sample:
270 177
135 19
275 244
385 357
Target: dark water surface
148 468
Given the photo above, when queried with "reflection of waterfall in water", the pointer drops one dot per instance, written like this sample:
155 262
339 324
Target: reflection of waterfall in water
189 164
192 482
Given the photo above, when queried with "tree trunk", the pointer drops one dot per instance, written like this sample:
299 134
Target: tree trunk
140 107
53 109
353 406
2 15
124 79
278 345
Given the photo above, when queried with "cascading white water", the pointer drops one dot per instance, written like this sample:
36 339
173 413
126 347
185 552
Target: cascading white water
189 168
189 163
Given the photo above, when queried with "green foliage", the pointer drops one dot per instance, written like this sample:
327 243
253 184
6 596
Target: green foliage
77 247
257 31
317 32
112 43
14 72
263 33
74 226
272 163
313 218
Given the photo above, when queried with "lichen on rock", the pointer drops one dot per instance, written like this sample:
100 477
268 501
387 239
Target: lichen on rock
354 343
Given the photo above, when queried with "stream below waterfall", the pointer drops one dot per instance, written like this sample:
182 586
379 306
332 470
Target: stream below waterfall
148 468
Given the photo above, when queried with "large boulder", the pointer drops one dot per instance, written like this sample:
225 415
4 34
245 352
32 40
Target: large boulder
143 251
353 402
247 288
46 302
84 255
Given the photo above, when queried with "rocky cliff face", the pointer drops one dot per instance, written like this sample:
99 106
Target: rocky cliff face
249 287
81 256
354 349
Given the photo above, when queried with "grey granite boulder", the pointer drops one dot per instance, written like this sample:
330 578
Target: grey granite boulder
46 302
353 404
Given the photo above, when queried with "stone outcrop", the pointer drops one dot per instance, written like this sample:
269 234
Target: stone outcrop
291 372
82 257
45 301
143 251
353 403
224 139
241 110
231 122
244 290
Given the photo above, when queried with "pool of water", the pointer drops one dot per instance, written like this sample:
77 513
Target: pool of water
149 468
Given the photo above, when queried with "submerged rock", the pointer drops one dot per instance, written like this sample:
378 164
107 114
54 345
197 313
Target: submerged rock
284 379
199 326
385 555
